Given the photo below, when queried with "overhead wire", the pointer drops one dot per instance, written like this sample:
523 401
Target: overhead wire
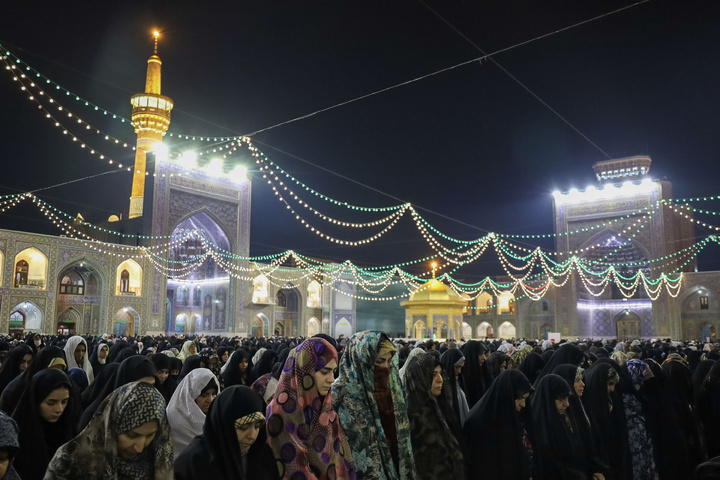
486 56
515 79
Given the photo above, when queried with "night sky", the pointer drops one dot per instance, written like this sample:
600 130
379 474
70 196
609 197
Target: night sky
471 148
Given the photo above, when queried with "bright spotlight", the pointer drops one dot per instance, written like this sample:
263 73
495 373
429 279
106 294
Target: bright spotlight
160 150
188 160
239 173
215 167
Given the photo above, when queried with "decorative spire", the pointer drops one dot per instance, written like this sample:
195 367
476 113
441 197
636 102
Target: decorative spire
156 34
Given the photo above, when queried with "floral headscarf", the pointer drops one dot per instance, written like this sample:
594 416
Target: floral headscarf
359 415
92 455
519 356
303 428
639 372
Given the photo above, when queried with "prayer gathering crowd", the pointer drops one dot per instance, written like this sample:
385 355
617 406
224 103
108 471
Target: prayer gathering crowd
367 408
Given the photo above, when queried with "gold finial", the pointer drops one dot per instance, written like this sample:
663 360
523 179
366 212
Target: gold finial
156 34
434 266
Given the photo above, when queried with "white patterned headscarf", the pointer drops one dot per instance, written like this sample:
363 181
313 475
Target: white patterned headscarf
185 417
69 349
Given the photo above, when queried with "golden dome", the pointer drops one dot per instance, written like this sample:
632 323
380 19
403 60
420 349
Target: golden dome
435 290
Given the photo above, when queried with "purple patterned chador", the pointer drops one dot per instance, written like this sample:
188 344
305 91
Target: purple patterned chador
303 428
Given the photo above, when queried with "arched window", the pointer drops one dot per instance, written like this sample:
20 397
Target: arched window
129 278
17 320
313 295
260 289
21 273
124 281
72 284
281 300
30 268
197 296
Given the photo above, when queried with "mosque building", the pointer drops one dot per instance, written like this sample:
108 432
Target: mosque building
61 284
195 276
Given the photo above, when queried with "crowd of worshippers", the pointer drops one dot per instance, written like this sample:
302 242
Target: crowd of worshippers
367 407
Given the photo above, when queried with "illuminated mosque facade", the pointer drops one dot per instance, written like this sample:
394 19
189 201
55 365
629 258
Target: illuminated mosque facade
60 284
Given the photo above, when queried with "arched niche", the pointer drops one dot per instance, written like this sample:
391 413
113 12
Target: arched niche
418 330
484 303
129 278
32 313
195 240
68 321
506 331
466 330
506 303
260 326
344 328
627 325
2 266
313 327
260 289
343 299
182 296
30 269
125 321
609 248
79 278
484 330
314 294
181 324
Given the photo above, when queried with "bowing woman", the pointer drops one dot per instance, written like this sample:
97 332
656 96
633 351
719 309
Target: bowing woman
189 405
496 430
237 370
434 429
377 426
558 443
46 416
128 438
233 443
303 428
476 377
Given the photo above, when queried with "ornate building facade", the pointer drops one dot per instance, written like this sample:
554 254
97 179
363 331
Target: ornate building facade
193 276
635 230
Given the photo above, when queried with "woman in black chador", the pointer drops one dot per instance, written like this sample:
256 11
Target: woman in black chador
558 442
498 445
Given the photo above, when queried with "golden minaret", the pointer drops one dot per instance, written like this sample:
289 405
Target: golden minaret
151 119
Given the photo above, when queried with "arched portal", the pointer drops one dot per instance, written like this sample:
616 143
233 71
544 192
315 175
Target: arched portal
129 278
440 329
506 330
279 329
707 333
125 322
181 324
198 277
466 330
314 295
260 326
419 329
343 327
545 329
17 322
484 330
68 321
627 324
313 327
30 269
33 316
